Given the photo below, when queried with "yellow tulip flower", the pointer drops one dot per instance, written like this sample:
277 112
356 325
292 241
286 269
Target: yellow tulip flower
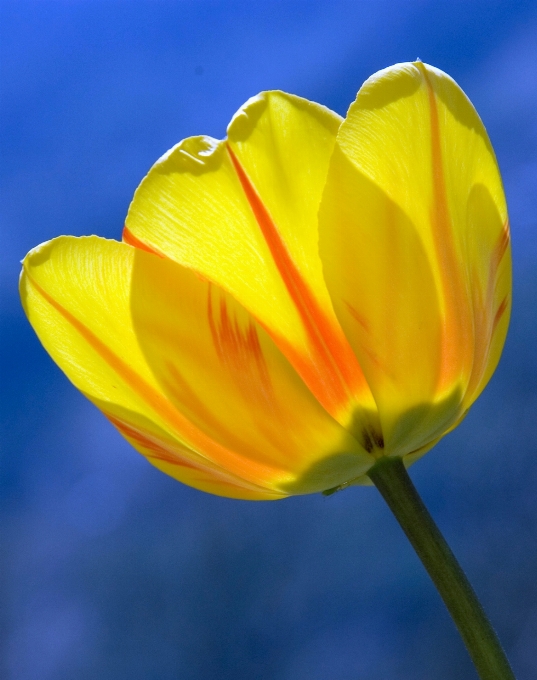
297 301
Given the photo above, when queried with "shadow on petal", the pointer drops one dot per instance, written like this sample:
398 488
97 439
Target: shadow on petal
239 401
331 473
381 280
404 85
421 424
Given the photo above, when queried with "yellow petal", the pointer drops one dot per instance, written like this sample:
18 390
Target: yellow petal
183 371
243 214
413 238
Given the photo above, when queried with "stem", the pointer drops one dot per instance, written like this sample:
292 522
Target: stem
391 479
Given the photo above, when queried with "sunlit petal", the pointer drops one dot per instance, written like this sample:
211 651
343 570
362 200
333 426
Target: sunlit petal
296 301
183 371
243 213
413 238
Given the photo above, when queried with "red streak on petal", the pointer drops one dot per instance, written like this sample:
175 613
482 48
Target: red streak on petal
499 249
132 240
359 318
240 351
168 454
499 312
483 303
333 372
497 256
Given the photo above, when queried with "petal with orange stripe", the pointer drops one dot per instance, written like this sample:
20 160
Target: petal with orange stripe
243 214
183 371
413 240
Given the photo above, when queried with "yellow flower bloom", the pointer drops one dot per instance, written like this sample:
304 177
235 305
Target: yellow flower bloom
298 300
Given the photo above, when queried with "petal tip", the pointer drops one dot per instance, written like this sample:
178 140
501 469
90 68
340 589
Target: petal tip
388 85
245 119
38 254
193 154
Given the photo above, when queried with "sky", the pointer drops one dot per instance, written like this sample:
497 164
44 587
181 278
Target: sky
109 568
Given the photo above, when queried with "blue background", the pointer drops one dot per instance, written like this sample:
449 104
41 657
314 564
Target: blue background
110 569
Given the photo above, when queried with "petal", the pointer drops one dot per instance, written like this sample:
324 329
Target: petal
490 280
413 235
243 214
183 371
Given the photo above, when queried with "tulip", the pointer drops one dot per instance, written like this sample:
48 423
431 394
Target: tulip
297 301
308 304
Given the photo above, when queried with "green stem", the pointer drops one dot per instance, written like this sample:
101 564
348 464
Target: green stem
391 479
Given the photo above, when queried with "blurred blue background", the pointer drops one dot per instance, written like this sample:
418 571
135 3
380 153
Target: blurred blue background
110 569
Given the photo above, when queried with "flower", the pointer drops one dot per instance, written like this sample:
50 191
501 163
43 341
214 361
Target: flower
294 302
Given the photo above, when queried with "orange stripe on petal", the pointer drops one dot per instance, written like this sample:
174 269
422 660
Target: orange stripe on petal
246 469
457 327
332 371
129 238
